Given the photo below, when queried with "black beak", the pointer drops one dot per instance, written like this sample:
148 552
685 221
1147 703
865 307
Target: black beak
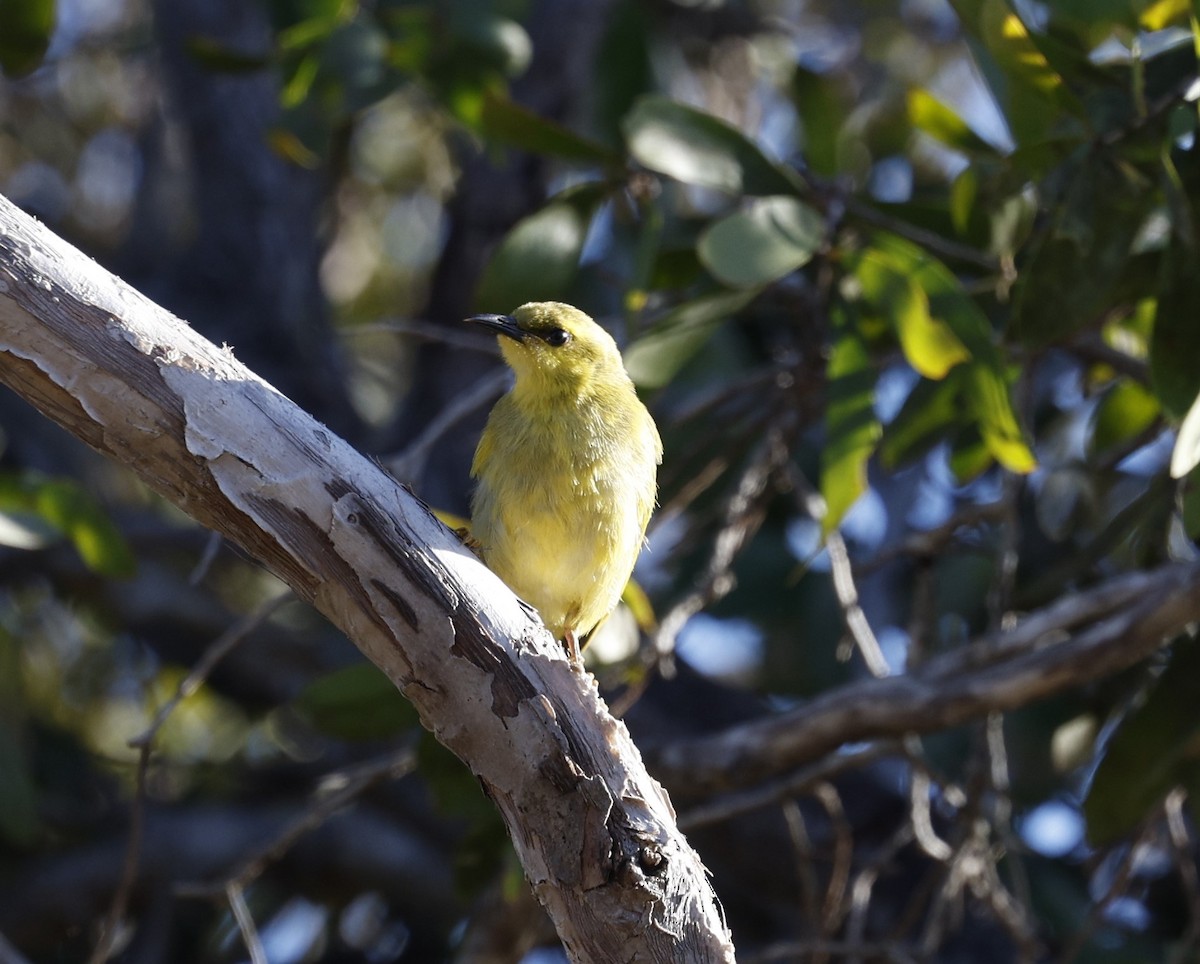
501 325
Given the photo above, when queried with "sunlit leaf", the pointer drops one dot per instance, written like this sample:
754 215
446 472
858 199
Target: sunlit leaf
1161 14
539 258
851 428
1186 454
770 238
963 193
697 148
356 703
67 509
1014 63
634 596
890 279
990 400
940 122
1126 409
655 358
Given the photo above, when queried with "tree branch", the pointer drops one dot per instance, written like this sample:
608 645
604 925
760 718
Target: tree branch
595 834
1084 637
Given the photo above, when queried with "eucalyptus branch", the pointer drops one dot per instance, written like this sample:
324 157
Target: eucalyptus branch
1079 639
595 834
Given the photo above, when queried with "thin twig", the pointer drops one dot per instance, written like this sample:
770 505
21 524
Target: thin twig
107 944
722 808
245 922
950 689
335 791
1185 861
1117 885
212 546
465 337
144 744
929 543
408 464
744 513
219 649
843 855
919 786
806 872
853 617
864 884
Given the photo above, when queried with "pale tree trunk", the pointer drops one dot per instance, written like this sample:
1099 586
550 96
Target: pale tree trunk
595 833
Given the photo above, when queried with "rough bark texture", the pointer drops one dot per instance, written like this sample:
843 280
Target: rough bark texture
595 834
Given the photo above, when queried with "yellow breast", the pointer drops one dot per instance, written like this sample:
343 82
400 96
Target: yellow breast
562 503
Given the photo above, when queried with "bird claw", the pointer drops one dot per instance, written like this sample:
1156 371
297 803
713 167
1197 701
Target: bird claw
571 642
468 540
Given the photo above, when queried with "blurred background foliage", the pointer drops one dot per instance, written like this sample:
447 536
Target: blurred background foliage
914 284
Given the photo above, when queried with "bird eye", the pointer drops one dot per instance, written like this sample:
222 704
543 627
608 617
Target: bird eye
556 337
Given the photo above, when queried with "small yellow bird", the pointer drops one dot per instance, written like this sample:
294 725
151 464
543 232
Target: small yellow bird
566 469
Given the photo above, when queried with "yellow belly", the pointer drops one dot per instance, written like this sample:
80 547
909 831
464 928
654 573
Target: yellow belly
562 525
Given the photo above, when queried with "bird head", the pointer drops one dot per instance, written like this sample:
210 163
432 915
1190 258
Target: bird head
552 346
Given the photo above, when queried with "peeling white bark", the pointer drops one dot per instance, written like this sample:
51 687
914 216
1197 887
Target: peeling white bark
595 834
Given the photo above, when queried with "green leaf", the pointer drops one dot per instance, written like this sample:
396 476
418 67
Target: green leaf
1126 409
1014 62
697 148
931 413
1072 274
624 68
509 123
1190 508
851 427
656 357
486 40
990 401
941 329
217 56
891 280
64 506
286 14
1186 454
930 115
539 258
963 193
970 456
823 110
1153 750
771 238
25 30
356 703
18 795
1175 342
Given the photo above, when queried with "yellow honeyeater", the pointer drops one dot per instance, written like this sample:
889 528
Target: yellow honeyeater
565 467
